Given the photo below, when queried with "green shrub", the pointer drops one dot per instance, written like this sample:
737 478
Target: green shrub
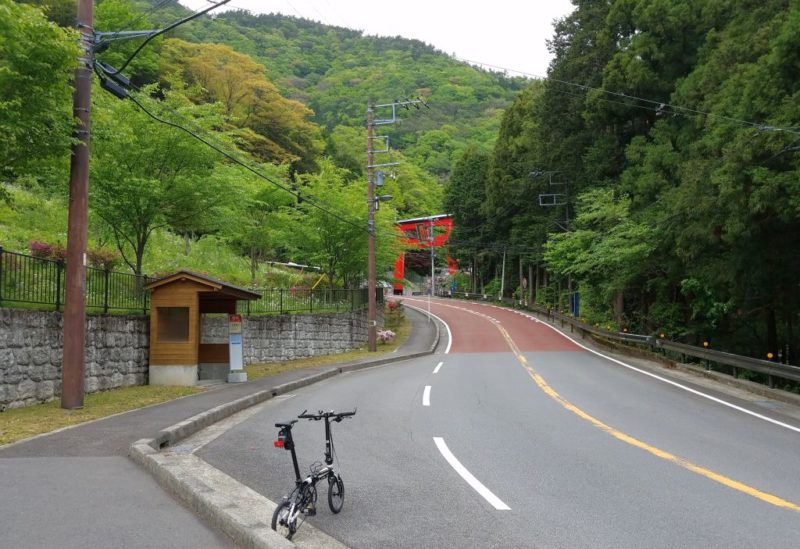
393 315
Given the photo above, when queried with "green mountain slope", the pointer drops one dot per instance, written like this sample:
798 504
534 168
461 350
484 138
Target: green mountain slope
336 71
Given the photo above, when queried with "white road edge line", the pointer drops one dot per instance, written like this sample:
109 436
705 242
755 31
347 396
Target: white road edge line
446 327
436 370
674 383
426 396
493 500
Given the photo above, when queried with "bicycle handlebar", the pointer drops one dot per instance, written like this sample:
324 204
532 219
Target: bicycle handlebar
336 416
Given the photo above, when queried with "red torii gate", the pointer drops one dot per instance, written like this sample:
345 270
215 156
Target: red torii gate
420 232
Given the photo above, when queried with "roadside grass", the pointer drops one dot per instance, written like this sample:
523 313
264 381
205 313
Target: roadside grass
21 423
255 371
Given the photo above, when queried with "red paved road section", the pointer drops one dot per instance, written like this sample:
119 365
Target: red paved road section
478 334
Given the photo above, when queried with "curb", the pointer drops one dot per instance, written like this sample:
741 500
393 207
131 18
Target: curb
212 504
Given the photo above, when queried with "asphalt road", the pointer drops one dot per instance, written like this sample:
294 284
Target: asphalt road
561 447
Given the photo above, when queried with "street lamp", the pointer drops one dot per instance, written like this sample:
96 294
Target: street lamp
382 198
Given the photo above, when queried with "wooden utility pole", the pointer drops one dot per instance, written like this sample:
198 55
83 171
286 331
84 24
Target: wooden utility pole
372 318
73 365
373 201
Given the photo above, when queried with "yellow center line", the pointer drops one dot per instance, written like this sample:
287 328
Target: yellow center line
709 474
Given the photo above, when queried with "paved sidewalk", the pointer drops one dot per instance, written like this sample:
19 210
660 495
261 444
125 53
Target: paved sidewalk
77 487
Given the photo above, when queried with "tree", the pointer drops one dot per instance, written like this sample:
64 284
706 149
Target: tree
463 197
415 192
338 243
60 12
260 224
37 60
607 252
146 175
271 127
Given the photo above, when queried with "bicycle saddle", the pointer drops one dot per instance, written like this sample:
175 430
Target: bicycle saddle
286 424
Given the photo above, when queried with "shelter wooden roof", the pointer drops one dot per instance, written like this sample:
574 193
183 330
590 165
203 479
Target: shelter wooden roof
218 287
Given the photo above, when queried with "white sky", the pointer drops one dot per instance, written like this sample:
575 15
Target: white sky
509 34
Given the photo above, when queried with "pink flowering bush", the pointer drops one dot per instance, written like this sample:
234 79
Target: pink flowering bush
43 250
386 336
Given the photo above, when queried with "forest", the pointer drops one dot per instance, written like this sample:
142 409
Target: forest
654 174
649 183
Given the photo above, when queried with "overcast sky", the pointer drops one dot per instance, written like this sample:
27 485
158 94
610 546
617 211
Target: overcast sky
509 34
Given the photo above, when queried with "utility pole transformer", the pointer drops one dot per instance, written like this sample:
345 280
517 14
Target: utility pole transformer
73 361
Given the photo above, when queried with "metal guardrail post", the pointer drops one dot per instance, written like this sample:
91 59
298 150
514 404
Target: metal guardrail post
106 275
141 282
59 270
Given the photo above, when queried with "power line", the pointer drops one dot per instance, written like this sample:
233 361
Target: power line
660 106
297 194
154 8
104 70
245 166
167 29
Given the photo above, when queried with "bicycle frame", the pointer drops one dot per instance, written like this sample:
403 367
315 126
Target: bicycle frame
286 441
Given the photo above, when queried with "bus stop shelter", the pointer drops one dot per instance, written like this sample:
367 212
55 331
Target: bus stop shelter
178 302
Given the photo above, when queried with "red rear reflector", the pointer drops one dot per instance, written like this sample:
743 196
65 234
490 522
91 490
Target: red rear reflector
278 444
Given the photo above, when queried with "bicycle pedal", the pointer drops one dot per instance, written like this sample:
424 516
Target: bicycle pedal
311 512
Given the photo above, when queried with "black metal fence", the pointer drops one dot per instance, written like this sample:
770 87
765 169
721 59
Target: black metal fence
40 282
296 300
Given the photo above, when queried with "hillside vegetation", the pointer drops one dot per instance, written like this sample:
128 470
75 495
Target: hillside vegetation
283 96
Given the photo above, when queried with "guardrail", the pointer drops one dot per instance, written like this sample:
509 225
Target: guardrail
652 343
772 369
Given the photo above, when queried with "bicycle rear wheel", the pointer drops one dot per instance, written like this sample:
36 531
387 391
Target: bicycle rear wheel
335 493
281 522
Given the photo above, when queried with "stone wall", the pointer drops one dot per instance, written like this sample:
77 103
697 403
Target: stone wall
31 346
286 337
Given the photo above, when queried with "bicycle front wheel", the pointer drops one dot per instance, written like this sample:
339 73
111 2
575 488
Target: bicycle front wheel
281 522
335 493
